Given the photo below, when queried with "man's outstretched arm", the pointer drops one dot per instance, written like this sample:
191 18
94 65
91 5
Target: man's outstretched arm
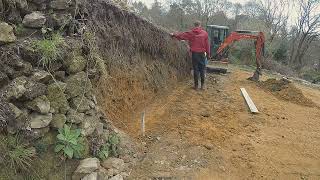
183 36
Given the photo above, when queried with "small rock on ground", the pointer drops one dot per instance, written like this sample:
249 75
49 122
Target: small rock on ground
113 163
6 33
86 166
34 20
92 176
39 120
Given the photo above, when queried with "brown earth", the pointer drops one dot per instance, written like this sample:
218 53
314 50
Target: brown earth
140 59
286 90
212 135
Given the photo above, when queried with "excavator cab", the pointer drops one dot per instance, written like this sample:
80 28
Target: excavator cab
217 35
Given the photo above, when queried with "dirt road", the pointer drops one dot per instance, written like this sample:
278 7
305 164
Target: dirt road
211 134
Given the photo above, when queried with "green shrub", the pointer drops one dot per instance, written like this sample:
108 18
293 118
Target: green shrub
104 152
41 147
69 142
280 54
312 76
110 148
114 141
49 49
15 153
242 54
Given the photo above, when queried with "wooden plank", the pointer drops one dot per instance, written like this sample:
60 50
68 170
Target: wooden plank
249 101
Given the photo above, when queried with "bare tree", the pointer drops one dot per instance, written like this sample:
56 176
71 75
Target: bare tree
201 9
237 8
275 15
208 8
140 8
307 30
251 9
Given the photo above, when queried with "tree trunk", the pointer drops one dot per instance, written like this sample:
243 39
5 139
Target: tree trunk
293 50
305 49
297 60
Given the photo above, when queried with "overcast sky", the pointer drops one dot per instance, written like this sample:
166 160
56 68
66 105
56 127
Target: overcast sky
293 13
149 2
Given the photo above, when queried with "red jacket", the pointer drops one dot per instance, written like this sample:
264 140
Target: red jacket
197 38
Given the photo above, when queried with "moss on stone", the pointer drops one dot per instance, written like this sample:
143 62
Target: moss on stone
75 64
78 84
86 152
81 104
57 98
58 120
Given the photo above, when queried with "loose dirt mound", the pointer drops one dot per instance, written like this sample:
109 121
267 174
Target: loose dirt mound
284 89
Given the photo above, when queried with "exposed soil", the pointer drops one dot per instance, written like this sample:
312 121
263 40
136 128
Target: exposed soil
140 58
212 135
286 90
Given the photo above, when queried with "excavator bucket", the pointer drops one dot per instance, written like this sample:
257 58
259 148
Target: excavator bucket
256 76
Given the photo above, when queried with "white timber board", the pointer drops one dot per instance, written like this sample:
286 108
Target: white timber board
249 101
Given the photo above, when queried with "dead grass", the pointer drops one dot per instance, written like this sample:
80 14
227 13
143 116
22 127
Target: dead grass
275 66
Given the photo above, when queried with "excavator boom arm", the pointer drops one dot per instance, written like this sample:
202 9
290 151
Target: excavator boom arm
236 36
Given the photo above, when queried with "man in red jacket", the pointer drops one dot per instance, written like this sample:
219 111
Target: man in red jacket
200 48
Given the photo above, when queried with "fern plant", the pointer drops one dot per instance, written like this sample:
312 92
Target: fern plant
69 142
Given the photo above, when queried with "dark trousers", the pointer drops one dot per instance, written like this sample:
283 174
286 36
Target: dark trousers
199 66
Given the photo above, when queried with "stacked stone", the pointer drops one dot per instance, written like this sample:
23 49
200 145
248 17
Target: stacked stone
93 169
32 15
34 100
40 101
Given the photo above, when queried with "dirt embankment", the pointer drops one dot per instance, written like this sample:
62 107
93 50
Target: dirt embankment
141 59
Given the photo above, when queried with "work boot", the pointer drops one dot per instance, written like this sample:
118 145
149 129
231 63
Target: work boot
195 88
202 88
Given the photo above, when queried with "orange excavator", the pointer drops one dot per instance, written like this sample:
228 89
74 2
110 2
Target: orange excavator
217 33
